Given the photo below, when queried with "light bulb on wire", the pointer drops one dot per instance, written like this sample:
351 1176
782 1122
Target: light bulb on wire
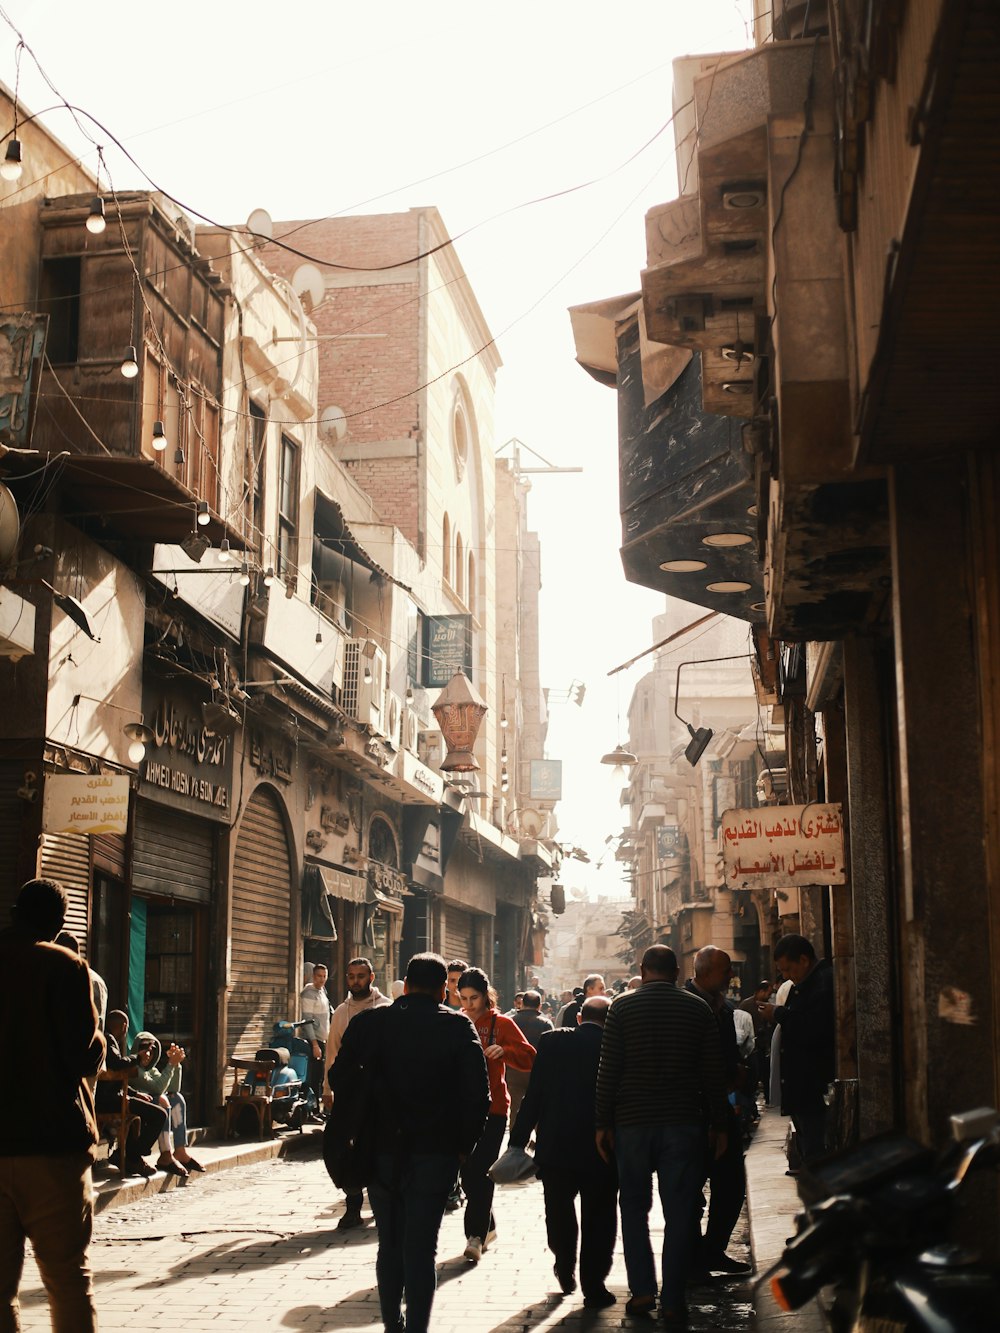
96 221
136 752
223 554
368 674
130 363
245 574
503 720
269 576
204 517
11 167
159 437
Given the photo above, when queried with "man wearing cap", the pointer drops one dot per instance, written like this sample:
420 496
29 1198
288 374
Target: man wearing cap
47 1144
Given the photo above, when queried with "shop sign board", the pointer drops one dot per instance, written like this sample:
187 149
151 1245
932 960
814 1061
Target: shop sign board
85 803
447 648
784 846
187 765
545 780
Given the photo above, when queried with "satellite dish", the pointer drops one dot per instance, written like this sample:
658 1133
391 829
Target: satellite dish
531 822
10 525
260 225
332 425
308 283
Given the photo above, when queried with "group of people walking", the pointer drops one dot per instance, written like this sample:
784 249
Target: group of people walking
637 1088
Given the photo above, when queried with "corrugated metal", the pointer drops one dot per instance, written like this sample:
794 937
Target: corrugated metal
261 921
458 929
173 854
66 857
107 852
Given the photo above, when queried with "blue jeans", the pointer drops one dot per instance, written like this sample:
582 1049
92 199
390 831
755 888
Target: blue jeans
408 1196
676 1154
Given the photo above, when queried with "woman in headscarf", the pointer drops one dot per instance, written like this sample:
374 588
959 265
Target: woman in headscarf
503 1044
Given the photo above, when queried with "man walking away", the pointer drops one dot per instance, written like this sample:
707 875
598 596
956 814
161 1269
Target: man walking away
807 1024
533 1025
661 1069
559 1107
592 985
432 1103
725 1174
47 1140
362 995
314 1005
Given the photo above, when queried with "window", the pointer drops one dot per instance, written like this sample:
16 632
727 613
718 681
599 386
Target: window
459 563
470 592
288 509
446 549
60 300
255 474
203 451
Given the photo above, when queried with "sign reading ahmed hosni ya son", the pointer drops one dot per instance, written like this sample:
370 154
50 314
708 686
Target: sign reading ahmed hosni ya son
782 846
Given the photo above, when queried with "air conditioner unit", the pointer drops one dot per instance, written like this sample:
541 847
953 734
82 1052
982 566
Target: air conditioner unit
430 748
392 718
331 599
364 700
411 730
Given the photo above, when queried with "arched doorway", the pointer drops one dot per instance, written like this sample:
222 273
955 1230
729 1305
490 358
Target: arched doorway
260 924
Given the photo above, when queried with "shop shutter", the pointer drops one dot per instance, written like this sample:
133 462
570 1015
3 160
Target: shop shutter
107 854
458 935
172 854
66 857
261 922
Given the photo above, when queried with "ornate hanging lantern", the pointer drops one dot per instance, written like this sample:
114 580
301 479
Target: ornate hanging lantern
459 712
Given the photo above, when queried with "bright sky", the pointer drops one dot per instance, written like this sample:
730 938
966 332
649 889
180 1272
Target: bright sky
312 109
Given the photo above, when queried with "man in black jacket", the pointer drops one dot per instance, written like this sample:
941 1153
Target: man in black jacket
431 1106
48 1132
807 1022
559 1106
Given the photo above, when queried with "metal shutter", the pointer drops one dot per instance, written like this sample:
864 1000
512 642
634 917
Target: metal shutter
172 854
261 922
66 857
458 932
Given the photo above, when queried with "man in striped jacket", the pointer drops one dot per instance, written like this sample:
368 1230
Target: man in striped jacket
661 1090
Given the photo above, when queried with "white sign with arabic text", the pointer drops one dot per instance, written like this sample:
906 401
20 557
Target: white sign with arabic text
85 803
783 846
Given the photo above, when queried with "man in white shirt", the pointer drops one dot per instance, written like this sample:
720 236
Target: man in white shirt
314 1003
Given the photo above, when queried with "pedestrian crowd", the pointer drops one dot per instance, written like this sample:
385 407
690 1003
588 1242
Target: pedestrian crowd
655 1082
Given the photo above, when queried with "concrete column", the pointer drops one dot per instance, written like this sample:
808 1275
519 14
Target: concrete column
870 902
950 1042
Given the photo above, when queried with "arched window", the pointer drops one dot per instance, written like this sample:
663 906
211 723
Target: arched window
471 590
459 563
446 549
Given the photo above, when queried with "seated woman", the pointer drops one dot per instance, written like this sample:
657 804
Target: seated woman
165 1088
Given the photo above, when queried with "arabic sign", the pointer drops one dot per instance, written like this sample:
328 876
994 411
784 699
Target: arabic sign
546 780
779 847
447 648
85 803
187 765
668 842
22 342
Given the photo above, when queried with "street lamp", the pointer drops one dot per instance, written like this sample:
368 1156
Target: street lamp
459 712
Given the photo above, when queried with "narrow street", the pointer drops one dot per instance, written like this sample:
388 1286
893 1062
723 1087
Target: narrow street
256 1248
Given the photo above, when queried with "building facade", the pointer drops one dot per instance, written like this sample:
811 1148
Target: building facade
804 320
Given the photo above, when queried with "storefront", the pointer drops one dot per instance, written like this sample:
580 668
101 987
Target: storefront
182 808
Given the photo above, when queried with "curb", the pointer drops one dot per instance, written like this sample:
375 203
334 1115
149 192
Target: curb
113 1191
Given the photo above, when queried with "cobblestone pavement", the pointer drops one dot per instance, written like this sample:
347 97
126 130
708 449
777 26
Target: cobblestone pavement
256 1248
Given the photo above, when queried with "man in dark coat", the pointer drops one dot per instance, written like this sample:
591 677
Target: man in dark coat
807 1022
533 1024
48 1135
725 1174
559 1106
431 1106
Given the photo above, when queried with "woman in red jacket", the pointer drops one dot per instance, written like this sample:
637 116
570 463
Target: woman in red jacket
503 1044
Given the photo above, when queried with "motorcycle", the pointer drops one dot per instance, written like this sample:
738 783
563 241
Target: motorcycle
876 1233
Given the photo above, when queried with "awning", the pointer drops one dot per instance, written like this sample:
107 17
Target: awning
135 497
340 884
332 532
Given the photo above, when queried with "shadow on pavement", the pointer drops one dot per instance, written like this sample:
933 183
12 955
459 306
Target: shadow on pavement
354 1311
241 1256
